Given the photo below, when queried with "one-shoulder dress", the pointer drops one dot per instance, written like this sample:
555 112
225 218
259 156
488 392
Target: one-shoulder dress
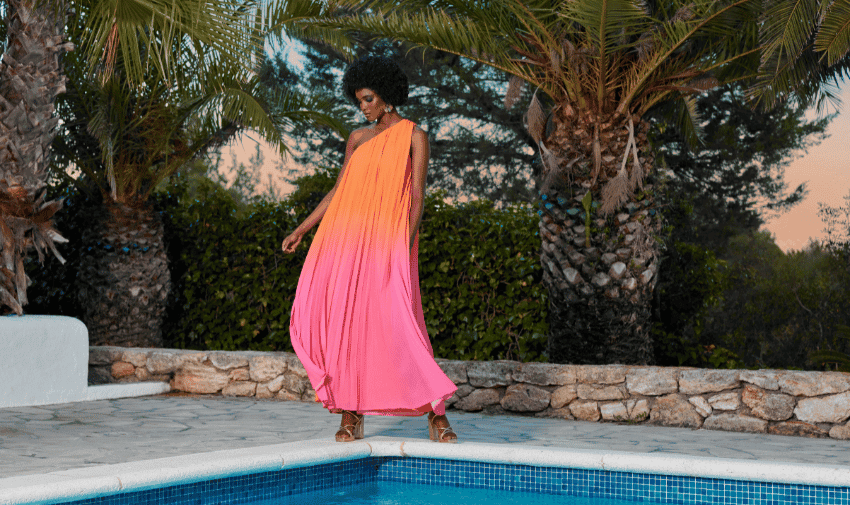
357 323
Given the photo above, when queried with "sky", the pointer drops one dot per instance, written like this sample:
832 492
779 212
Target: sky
825 169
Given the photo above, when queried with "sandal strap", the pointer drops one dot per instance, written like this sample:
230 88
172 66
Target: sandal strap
445 430
442 431
347 430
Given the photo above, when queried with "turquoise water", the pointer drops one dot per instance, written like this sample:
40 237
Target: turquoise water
393 480
394 493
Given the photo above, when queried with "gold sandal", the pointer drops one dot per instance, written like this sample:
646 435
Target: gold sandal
350 427
444 433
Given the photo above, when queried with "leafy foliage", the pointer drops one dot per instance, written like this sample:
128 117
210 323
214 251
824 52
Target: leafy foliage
728 186
753 306
837 227
805 51
693 281
780 307
127 132
165 39
481 281
594 59
479 148
233 285
734 181
838 359
479 275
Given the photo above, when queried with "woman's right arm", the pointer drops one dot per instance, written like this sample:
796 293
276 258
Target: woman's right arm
291 242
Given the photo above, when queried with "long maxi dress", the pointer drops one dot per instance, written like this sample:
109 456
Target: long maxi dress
357 323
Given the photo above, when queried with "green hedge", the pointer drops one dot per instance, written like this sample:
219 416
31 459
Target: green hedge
480 277
233 287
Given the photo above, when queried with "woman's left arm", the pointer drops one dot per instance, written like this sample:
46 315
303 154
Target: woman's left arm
420 152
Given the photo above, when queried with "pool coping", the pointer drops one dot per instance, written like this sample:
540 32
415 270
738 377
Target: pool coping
88 482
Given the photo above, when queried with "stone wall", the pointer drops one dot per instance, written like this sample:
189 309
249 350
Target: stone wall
810 404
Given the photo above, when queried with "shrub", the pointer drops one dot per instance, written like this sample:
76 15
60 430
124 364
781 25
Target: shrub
780 307
233 287
692 282
481 284
51 290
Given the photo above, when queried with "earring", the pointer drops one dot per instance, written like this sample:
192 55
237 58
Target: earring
388 109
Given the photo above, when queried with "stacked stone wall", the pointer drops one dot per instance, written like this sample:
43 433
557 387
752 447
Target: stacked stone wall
809 404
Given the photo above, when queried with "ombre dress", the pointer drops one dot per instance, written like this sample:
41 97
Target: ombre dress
357 323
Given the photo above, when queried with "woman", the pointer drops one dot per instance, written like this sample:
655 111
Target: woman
357 323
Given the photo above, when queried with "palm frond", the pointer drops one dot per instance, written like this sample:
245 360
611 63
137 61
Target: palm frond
710 28
821 88
825 357
687 119
181 80
298 19
490 37
787 28
149 35
515 88
535 119
806 44
833 38
615 192
605 22
608 24
806 78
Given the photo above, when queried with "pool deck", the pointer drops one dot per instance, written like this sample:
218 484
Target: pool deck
75 444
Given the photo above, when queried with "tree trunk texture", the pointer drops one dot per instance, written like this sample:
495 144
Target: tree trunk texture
600 286
30 79
123 282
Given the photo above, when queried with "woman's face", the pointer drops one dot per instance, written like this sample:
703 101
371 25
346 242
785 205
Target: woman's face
371 105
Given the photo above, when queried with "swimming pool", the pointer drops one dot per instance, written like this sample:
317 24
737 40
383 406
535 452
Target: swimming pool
279 474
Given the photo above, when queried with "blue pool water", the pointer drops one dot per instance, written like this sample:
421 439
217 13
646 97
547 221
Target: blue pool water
320 483
394 493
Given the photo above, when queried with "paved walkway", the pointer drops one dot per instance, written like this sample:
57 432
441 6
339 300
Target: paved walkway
35 440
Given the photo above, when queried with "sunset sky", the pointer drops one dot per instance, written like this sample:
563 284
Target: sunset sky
825 168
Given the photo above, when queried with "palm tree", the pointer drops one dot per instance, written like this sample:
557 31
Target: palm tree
129 128
30 79
595 69
805 51
154 37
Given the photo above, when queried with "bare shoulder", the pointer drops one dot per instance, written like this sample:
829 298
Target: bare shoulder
359 136
419 147
419 135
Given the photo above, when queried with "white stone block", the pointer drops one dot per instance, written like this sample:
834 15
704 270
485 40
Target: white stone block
45 360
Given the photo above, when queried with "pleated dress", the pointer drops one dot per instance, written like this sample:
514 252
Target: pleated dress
357 323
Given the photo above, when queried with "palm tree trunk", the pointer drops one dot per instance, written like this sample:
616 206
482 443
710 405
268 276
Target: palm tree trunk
30 79
123 282
600 272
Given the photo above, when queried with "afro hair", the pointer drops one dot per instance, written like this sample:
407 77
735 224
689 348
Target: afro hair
381 75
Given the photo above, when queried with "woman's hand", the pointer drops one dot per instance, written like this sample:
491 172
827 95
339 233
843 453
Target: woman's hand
291 242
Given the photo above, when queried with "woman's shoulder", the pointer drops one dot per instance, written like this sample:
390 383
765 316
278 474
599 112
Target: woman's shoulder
360 135
419 134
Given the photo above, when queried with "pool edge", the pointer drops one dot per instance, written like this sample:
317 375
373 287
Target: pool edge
87 482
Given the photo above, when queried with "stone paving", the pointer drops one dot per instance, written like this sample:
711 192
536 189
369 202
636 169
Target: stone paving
36 440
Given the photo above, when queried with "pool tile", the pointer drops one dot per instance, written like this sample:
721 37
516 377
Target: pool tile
640 488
